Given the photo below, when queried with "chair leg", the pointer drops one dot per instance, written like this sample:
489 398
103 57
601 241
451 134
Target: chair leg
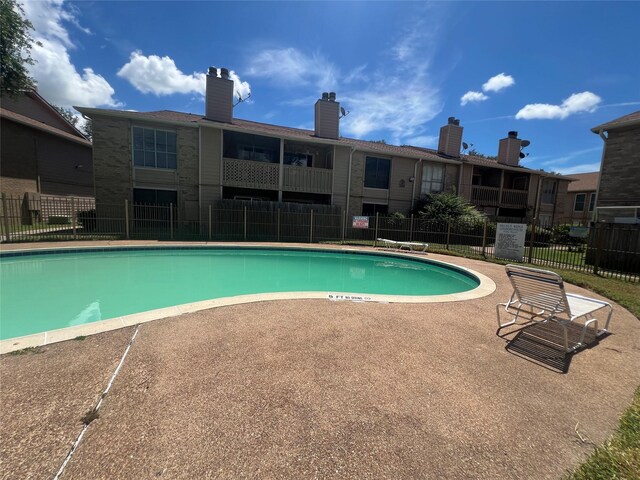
506 324
606 325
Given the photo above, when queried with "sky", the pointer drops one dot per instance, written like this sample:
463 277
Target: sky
549 70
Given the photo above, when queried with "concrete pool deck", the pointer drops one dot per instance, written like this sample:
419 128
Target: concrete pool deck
314 388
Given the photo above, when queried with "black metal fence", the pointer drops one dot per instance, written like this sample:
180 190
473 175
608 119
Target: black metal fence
605 248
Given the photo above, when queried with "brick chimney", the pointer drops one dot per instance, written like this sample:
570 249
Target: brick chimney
509 150
219 96
327 116
450 138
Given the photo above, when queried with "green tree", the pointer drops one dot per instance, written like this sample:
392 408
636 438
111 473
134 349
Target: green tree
475 153
447 206
72 118
67 114
15 49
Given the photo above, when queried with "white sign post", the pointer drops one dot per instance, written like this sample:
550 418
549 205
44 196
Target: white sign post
510 239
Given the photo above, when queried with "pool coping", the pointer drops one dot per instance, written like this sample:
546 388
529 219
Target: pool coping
486 287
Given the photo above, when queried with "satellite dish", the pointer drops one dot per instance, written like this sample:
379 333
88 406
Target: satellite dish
465 146
525 143
522 155
343 111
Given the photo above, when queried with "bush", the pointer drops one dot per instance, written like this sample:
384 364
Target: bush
88 220
447 206
560 235
59 220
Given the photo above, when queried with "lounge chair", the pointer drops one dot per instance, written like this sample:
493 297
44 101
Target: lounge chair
543 292
401 245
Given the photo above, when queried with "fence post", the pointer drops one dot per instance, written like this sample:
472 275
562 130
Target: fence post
73 217
599 242
375 237
126 218
484 238
411 229
5 217
171 220
278 237
533 240
245 223
344 225
448 233
209 222
311 228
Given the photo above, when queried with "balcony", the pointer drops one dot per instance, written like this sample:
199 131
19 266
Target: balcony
486 196
514 198
490 196
307 179
261 175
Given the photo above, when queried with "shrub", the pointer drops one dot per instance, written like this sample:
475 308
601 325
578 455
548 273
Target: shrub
58 220
447 206
560 235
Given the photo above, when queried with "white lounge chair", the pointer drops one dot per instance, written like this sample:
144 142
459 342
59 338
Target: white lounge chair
401 245
544 291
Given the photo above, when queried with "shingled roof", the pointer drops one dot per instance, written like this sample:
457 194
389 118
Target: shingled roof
30 122
584 182
626 121
407 151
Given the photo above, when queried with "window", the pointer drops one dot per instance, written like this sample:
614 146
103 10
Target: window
592 202
155 197
549 191
579 203
544 220
370 209
376 172
298 159
432 178
154 148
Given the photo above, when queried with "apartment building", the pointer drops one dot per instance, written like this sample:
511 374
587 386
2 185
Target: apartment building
41 151
581 198
618 198
193 161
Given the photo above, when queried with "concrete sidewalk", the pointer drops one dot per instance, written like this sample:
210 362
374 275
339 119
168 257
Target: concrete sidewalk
313 388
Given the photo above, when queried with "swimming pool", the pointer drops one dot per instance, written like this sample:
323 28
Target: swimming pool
48 290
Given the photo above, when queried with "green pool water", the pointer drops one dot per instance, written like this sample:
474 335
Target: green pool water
49 291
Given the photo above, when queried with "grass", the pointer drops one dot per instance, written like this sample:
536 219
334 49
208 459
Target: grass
618 457
558 255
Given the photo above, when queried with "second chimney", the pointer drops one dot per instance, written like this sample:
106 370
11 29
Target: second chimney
450 138
327 116
509 150
219 96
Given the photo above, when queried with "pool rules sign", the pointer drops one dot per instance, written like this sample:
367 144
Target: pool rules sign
510 241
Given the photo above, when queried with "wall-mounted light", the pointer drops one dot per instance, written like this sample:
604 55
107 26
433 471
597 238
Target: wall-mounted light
412 178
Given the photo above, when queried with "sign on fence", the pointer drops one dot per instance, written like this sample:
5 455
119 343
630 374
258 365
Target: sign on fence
360 222
579 232
510 241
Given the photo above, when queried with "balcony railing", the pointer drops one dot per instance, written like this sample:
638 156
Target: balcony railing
307 179
250 174
490 196
514 198
485 195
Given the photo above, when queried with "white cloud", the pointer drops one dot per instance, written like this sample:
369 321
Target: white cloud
289 66
582 168
160 76
576 103
498 82
472 96
57 77
422 141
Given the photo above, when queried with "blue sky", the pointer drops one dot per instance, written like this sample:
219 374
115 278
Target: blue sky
550 71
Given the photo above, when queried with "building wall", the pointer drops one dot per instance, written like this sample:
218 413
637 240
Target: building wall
584 217
620 174
112 164
340 175
211 164
64 167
